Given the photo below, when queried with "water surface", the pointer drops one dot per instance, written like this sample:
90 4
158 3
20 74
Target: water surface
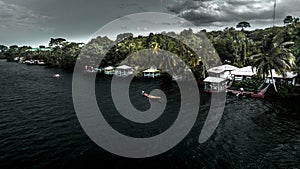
39 127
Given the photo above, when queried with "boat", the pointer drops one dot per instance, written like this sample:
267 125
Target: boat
29 62
150 96
56 75
16 59
259 93
41 62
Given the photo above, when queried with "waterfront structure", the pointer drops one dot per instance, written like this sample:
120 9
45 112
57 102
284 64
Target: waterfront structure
244 73
223 71
123 71
290 77
91 69
214 84
109 70
152 72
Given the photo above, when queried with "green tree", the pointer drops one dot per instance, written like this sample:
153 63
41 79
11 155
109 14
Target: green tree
70 53
290 20
3 49
12 52
123 36
273 56
243 25
57 42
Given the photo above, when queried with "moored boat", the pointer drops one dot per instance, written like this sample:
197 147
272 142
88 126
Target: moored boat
56 75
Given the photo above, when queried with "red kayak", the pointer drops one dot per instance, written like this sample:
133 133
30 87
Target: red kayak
150 96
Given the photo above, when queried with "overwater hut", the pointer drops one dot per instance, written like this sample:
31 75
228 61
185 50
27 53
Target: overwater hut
243 73
109 70
223 71
123 71
214 84
152 72
290 77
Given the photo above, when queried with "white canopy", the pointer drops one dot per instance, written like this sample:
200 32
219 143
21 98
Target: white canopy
214 80
289 75
124 67
245 71
222 68
109 68
151 70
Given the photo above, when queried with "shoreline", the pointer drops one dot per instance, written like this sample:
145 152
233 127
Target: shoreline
168 78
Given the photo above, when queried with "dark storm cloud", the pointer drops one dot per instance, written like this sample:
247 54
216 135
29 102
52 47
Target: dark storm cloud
36 21
227 11
14 16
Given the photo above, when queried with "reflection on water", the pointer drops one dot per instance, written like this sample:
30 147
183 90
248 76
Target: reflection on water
39 128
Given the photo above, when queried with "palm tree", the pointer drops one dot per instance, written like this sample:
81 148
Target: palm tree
275 56
155 47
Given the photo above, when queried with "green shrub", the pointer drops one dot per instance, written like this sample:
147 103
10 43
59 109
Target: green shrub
138 75
284 89
252 84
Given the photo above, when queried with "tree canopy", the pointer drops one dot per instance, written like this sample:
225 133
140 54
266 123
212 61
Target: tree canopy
243 25
232 46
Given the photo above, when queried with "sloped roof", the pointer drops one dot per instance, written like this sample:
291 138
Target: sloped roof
124 67
218 69
151 70
214 80
109 68
245 71
289 75
222 68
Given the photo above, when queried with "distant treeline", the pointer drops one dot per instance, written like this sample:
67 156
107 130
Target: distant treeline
233 46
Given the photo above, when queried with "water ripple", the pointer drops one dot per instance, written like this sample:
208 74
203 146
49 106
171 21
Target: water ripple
39 128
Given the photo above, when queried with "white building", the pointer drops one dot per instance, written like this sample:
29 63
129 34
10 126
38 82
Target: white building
290 77
214 84
223 71
244 73
109 70
123 71
152 72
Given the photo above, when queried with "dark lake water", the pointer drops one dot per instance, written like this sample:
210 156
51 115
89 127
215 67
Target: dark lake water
39 127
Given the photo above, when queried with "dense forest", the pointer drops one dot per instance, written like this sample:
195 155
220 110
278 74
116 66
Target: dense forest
276 47
157 50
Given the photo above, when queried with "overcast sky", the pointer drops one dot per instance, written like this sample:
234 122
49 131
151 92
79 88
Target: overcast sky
34 22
